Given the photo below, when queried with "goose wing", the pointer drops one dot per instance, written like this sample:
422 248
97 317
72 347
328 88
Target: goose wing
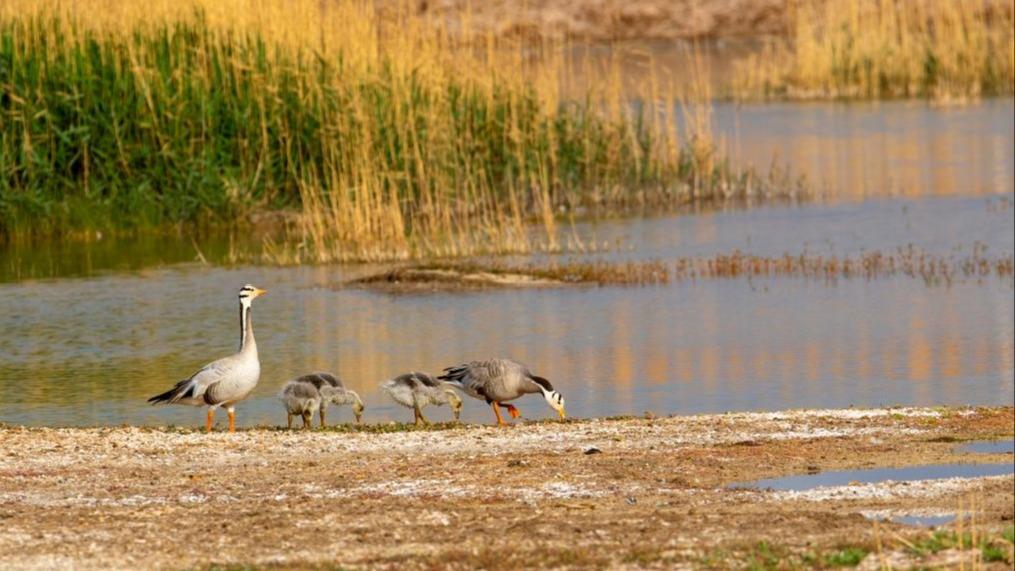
193 389
492 379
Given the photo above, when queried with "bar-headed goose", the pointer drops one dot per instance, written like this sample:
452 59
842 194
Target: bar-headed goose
500 380
227 381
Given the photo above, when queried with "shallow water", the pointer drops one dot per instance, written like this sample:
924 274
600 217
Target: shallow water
90 350
988 447
805 482
855 151
924 520
90 330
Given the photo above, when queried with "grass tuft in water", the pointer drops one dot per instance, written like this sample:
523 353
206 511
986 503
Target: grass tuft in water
932 269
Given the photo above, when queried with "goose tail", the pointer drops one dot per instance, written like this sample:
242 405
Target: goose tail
182 389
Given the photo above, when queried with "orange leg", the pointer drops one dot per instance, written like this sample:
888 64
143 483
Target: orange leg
496 411
208 421
512 410
232 420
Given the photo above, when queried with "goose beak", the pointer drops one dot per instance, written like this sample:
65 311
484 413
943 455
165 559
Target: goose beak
563 416
258 292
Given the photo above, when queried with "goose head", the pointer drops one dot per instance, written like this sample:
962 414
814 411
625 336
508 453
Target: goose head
248 293
455 402
357 407
551 396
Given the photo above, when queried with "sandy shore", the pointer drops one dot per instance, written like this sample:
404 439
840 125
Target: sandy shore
626 493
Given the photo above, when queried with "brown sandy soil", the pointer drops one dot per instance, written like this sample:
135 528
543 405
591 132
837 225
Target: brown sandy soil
527 496
613 19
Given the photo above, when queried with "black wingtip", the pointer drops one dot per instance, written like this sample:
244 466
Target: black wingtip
172 395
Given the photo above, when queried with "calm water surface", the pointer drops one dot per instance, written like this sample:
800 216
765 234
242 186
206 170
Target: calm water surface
89 331
878 475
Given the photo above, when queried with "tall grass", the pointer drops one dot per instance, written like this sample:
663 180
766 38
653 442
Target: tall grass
385 138
886 48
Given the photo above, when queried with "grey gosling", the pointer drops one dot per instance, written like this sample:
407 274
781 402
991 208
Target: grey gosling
417 390
333 392
300 399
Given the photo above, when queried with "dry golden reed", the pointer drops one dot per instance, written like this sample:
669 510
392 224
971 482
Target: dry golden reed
940 49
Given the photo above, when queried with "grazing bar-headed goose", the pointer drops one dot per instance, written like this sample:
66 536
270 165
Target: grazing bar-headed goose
500 380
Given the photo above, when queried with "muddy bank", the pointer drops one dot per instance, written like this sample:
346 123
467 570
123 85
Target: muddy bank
932 270
622 493
466 276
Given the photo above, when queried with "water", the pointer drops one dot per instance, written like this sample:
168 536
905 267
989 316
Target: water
988 447
915 520
89 351
806 482
862 150
924 520
88 331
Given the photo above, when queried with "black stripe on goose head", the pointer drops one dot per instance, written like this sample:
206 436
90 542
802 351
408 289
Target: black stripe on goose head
247 291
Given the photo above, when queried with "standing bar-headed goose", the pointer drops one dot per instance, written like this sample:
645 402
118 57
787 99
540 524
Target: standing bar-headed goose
227 381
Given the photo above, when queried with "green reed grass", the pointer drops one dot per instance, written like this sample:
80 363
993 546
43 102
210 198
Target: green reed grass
382 141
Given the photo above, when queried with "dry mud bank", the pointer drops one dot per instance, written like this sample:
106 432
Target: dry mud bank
626 493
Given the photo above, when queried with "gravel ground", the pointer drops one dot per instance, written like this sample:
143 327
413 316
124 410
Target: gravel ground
619 493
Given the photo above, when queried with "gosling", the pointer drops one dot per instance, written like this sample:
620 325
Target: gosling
300 399
332 391
417 390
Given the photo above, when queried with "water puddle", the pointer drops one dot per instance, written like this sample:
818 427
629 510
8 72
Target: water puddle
800 483
923 520
917 519
988 447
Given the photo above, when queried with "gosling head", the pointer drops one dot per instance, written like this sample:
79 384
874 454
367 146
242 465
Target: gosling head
552 397
357 408
249 292
455 402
